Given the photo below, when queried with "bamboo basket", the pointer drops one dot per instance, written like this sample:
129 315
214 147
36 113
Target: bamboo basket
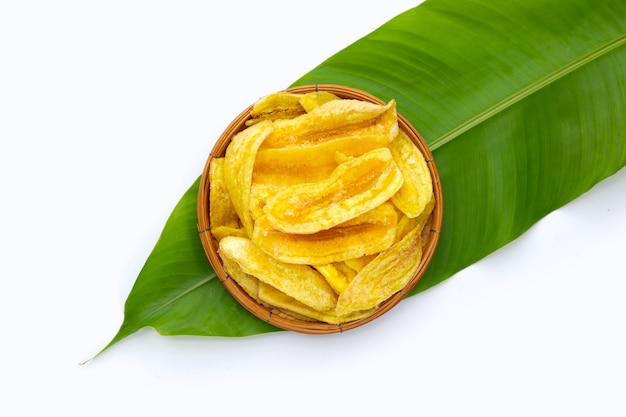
274 316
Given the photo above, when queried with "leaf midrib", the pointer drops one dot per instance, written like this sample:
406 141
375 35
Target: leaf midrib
526 91
185 292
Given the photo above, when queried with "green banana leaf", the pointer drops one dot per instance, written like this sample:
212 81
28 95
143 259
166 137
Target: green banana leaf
523 104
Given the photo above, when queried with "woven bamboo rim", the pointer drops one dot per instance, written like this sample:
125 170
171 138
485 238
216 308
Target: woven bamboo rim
275 316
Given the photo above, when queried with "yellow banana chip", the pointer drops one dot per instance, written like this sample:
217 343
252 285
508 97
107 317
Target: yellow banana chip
280 300
406 224
331 118
354 187
424 220
220 232
246 281
368 233
359 263
284 105
385 275
259 194
424 216
221 210
417 189
276 106
312 162
338 275
238 166
298 281
312 100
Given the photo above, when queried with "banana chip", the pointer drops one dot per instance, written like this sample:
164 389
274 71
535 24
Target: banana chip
287 105
387 274
311 162
309 101
332 118
353 188
338 275
298 281
221 210
417 189
259 194
238 166
249 283
220 232
369 233
289 305
359 263
276 106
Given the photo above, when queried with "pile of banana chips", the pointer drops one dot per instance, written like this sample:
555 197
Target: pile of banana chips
319 205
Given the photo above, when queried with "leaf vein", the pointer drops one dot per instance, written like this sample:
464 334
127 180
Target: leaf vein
187 291
527 91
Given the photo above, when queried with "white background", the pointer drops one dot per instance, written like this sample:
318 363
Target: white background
107 113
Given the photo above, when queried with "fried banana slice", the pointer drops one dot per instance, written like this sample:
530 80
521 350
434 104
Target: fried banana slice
238 166
366 234
417 189
309 101
359 263
338 275
387 274
221 210
314 162
354 187
276 106
406 224
220 232
249 283
289 305
423 218
298 281
332 118
259 195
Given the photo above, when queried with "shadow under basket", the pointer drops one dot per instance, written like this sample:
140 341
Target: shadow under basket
275 316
